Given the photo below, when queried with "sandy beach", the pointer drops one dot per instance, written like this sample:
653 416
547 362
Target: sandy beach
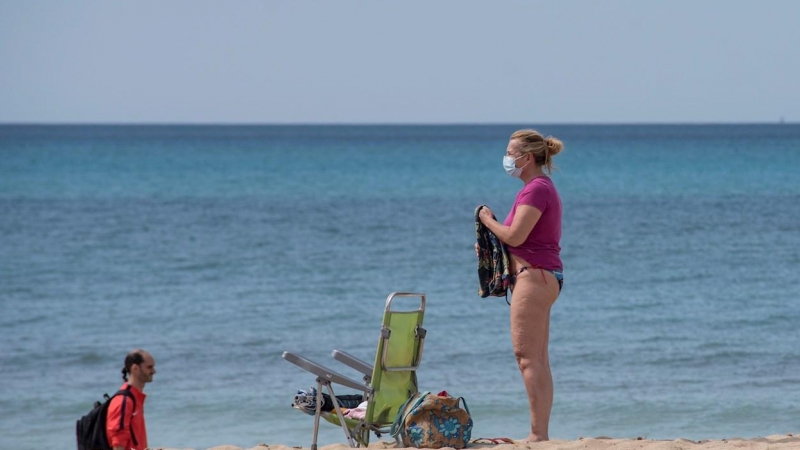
774 442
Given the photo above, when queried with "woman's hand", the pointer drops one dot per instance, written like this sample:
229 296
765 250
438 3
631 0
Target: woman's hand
485 214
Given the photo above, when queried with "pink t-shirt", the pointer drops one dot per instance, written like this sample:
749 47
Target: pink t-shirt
541 248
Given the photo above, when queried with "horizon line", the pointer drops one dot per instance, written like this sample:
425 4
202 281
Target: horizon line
302 124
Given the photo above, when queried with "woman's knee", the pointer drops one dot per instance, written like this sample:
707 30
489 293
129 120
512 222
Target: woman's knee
530 363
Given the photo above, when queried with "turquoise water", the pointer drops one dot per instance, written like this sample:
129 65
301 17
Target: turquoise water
217 248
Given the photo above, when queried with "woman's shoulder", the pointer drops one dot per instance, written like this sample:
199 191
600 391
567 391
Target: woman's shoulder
542 183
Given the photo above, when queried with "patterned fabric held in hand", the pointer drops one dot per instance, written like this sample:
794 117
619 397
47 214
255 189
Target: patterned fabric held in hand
492 261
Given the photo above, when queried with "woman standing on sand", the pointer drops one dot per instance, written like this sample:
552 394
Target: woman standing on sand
532 232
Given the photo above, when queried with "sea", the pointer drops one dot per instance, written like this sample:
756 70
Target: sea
217 248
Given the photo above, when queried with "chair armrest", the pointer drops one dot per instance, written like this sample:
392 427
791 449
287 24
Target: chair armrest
324 372
352 361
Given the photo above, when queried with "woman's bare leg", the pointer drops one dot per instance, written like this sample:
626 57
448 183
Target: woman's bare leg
534 294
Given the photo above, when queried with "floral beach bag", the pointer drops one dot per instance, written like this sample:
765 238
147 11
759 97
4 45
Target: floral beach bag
433 421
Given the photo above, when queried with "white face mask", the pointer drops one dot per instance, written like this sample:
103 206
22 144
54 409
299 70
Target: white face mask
509 163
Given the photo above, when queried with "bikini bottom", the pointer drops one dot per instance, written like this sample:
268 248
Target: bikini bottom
557 273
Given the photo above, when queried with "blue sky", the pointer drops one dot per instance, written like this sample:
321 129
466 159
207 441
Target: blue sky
399 62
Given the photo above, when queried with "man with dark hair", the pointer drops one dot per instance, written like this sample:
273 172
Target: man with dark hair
125 427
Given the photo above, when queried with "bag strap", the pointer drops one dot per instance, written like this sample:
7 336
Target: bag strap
127 393
403 412
464 401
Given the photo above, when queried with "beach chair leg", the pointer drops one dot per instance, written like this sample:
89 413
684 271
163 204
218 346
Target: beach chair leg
317 415
362 435
338 410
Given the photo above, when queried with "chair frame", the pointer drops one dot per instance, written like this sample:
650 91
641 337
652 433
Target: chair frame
357 434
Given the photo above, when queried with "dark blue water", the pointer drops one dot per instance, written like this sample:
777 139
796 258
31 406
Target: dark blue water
217 248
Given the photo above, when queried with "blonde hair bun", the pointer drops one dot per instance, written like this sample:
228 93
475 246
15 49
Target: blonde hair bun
554 145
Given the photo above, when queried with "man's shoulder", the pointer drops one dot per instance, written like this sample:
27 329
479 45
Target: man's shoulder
125 392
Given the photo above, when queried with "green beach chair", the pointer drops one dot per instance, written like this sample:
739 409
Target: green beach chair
386 384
